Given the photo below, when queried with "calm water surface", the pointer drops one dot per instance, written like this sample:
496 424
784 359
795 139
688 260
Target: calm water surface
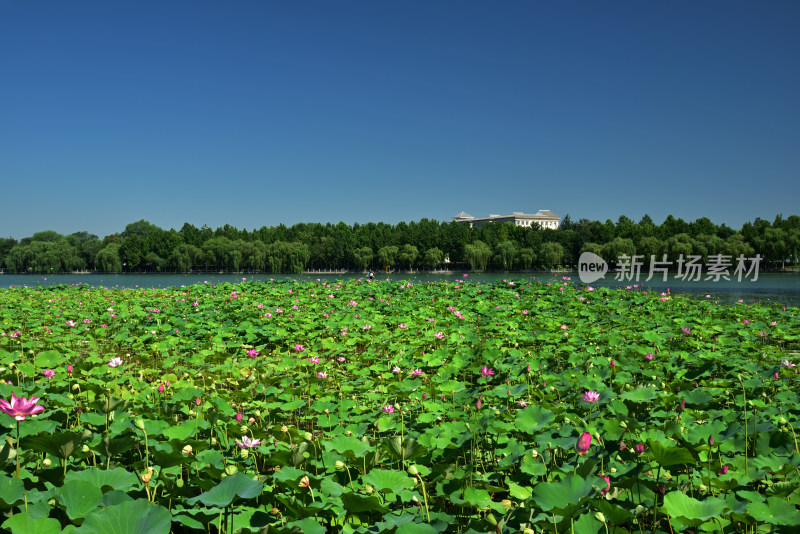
781 288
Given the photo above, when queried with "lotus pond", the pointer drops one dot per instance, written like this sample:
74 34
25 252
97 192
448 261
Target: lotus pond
395 407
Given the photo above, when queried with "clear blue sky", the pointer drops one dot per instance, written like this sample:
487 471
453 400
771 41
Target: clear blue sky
258 113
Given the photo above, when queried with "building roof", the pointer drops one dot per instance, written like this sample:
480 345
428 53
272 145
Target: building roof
463 215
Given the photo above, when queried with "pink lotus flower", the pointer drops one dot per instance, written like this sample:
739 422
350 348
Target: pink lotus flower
71 324
787 363
248 443
341 359
583 444
402 325
20 408
724 470
314 359
69 368
438 335
115 361
387 408
648 356
49 373
608 484
639 448
299 348
161 388
591 396
239 417
487 371
322 375
416 373
396 369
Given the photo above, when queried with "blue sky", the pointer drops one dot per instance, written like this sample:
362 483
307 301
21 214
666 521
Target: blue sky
258 113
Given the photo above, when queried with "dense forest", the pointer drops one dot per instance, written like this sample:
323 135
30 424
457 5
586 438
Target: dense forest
426 244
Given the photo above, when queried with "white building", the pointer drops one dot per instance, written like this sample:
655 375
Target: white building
544 218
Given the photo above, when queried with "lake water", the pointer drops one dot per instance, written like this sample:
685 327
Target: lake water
783 288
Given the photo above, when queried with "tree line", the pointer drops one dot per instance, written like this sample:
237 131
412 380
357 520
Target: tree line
424 244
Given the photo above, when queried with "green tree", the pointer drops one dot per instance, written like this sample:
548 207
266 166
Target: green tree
408 255
506 254
432 257
526 258
616 248
651 248
108 259
551 254
387 255
363 257
477 255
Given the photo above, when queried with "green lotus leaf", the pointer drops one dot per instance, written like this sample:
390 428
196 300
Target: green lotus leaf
11 491
79 498
775 511
388 480
533 418
117 479
224 493
690 510
668 456
24 523
361 504
131 517
563 494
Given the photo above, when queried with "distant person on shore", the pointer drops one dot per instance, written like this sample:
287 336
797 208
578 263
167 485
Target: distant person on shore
371 275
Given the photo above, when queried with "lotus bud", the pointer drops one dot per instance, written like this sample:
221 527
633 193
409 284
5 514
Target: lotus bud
308 436
412 470
213 440
600 517
85 449
339 465
47 462
710 441
187 449
75 387
535 453
231 469
507 504
284 429
251 421
139 422
244 429
369 489
583 444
